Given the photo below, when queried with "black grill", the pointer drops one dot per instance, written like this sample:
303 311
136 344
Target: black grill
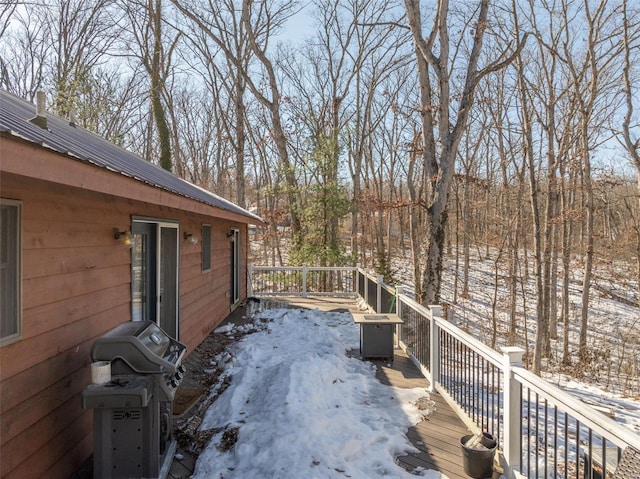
133 413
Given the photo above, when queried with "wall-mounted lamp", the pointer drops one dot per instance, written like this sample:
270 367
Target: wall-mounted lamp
190 238
230 233
123 237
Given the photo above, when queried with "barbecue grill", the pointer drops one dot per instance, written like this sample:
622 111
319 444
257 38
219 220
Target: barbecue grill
133 413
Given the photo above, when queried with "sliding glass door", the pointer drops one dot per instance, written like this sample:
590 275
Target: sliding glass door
154 274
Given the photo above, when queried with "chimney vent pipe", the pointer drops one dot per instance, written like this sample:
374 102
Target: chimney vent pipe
41 111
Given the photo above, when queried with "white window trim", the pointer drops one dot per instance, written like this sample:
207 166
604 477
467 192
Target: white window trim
18 334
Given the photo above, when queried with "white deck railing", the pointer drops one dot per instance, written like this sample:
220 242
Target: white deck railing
301 281
542 431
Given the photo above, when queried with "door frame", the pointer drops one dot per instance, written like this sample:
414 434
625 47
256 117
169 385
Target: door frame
159 224
236 259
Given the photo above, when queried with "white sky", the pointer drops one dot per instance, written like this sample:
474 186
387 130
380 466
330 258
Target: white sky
305 409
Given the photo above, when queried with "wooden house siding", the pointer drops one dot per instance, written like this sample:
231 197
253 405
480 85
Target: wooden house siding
76 285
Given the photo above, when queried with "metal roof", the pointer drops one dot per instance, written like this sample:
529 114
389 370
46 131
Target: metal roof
82 145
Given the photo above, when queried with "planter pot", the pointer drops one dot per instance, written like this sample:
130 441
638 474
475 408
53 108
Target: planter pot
477 455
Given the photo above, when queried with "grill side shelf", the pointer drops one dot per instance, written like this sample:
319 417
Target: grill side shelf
122 392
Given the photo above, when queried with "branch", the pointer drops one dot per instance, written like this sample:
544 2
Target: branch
499 65
383 24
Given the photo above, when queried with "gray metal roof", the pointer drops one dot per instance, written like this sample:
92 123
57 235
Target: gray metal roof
82 145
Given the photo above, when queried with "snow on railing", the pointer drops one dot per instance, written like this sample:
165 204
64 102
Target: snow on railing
543 431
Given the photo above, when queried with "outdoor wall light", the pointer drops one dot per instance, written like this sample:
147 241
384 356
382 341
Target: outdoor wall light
230 234
123 237
191 238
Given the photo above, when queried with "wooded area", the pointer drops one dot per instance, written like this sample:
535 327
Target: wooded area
366 130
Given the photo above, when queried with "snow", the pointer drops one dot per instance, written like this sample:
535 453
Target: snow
303 407
613 338
625 409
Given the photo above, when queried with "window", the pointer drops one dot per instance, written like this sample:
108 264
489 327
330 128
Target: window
10 269
206 247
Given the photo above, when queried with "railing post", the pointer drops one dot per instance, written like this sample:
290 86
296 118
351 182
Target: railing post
512 356
379 294
250 280
304 280
356 280
365 284
399 291
434 347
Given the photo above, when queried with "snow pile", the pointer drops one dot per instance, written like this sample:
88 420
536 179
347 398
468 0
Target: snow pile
299 406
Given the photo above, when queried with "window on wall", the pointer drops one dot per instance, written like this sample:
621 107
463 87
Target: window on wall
206 247
10 270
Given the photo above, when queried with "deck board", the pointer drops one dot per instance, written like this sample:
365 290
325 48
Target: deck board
437 437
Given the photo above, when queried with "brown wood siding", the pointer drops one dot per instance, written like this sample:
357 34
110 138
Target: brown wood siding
205 295
76 286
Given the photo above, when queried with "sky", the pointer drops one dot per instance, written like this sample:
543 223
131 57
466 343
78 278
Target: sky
304 408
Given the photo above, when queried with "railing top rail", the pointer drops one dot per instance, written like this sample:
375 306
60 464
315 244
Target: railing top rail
388 288
300 268
413 304
368 274
374 277
276 268
485 351
592 418
488 353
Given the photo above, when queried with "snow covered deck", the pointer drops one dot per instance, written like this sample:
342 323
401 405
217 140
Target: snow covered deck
437 438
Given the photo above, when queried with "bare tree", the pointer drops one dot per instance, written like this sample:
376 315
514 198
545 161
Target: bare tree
260 21
440 108
225 81
26 54
631 46
591 82
334 82
84 32
57 45
154 50
7 8
225 78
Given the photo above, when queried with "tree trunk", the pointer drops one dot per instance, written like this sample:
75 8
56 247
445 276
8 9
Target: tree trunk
535 212
436 227
466 218
240 114
631 144
588 263
414 216
567 200
157 86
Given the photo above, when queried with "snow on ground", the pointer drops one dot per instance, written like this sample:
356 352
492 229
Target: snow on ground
625 410
299 406
610 381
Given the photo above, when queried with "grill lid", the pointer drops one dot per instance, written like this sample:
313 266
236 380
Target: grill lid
142 345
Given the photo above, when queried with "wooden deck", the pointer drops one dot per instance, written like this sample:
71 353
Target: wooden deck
437 438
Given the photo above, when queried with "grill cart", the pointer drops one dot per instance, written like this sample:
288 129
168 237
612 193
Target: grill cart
133 412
